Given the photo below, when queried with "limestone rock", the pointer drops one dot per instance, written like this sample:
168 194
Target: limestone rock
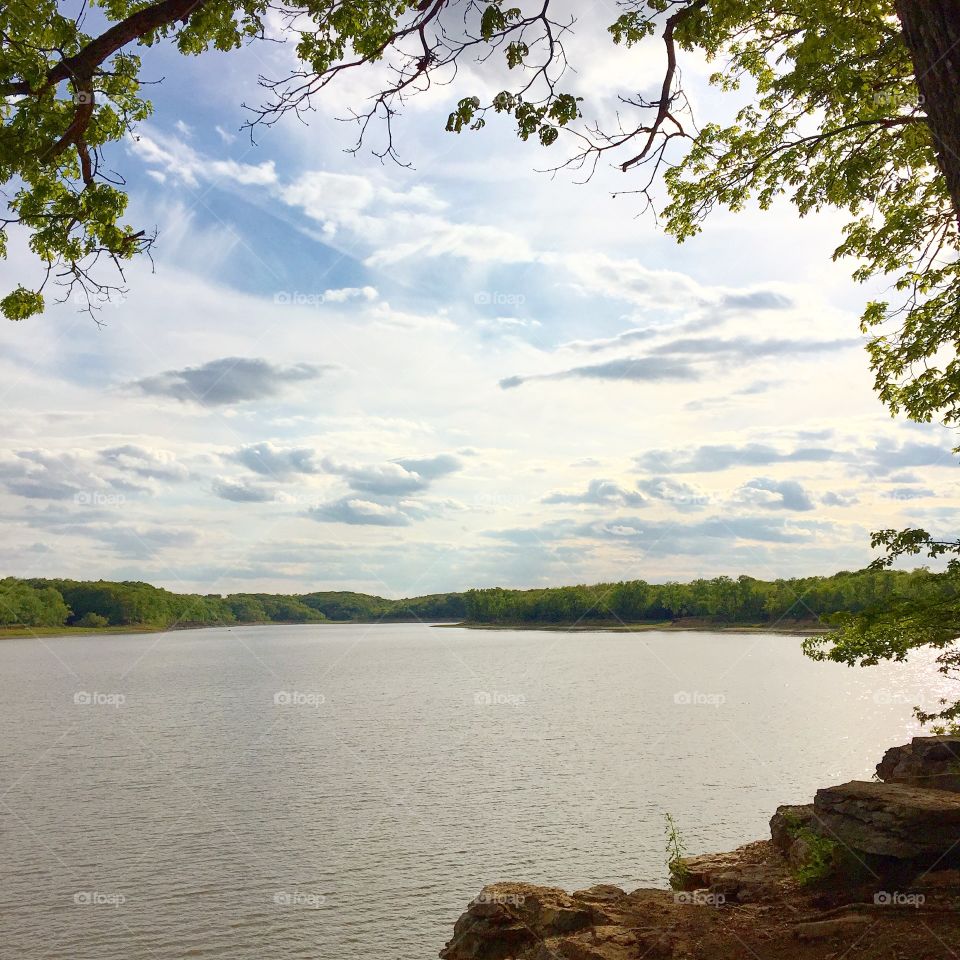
890 820
697 873
744 875
932 762
787 822
827 929
508 918
513 921
904 830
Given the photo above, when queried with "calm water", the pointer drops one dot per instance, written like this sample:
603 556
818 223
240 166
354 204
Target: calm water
343 791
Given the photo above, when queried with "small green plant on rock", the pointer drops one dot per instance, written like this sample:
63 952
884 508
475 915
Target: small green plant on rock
821 856
676 849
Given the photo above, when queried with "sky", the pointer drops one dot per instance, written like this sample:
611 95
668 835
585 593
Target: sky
340 373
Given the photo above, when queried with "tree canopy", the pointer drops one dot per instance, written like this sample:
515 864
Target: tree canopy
101 603
830 115
721 600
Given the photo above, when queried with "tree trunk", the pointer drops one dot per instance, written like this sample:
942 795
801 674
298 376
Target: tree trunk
931 29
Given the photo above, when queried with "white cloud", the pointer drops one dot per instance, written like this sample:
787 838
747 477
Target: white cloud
716 486
343 294
396 225
169 157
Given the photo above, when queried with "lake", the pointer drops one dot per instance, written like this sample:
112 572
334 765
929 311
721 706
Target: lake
343 791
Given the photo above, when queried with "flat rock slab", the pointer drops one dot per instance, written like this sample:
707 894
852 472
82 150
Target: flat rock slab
828 929
890 819
746 874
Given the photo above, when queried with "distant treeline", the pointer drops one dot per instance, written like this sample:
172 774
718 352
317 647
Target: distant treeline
338 605
101 603
722 600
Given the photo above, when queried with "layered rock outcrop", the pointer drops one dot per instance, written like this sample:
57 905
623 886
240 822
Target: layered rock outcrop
931 762
899 826
890 820
820 888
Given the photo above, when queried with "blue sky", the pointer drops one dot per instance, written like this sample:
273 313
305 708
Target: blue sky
346 374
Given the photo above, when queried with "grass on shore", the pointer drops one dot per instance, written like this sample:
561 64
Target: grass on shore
74 631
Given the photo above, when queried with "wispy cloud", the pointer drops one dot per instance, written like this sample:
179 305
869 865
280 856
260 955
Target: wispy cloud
172 159
394 477
775 494
228 380
714 457
359 512
747 348
598 493
630 369
149 464
278 463
240 491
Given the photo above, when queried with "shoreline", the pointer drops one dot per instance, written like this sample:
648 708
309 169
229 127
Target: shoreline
668 626
20 633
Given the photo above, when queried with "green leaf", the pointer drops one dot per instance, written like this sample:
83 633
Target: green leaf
21 303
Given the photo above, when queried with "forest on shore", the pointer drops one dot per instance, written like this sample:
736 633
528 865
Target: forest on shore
52 603
105 603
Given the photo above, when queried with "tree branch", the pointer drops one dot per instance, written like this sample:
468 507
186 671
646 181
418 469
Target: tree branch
85 62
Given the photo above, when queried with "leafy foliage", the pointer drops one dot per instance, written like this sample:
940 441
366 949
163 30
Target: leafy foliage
93 620
837 122
821 860
926 616
721 600
360 606
831 118
101 603
21 603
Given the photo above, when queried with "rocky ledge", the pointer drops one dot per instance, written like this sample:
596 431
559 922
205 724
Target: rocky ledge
868 870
